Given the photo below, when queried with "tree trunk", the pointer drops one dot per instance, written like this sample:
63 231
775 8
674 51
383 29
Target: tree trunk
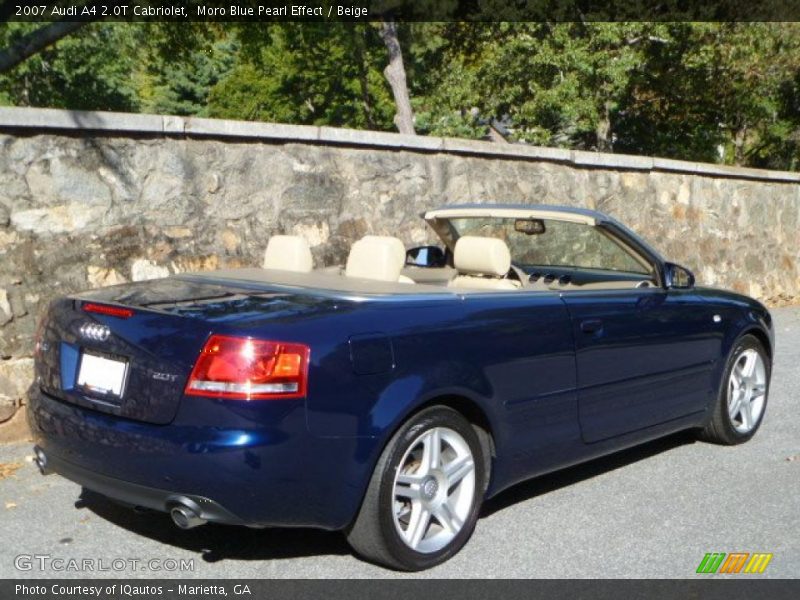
739 139
395 73
603 131
496 136
34 42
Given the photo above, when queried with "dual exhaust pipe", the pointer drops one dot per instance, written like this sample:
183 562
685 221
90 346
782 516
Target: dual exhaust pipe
183 514
40 460
181 511
186 517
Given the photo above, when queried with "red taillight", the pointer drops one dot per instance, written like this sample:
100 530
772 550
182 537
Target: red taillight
248 369
111 311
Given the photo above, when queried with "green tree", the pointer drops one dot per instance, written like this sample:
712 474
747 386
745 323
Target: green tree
90 69
442 79
167 67
560 84
718 92
320 74
706 91
723 92
23 43
182 87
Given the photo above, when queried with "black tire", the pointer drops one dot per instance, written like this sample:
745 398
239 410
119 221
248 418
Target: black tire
374 535
720 427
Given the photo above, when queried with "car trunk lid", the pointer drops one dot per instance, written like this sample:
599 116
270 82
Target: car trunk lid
128 350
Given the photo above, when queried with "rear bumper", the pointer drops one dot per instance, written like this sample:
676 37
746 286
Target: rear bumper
261 468
138 495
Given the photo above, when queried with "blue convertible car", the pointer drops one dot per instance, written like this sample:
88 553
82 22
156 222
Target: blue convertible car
389 397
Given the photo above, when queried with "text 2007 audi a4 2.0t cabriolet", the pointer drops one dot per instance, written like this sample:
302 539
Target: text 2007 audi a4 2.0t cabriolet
389 397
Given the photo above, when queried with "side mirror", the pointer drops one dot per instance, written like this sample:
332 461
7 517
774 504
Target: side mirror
425 257
678 277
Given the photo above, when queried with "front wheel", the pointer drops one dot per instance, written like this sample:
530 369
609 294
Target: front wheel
425 493
742 399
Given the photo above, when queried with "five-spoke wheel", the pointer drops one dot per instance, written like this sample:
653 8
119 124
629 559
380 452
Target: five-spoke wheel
747 390
742 399
425 494
434 489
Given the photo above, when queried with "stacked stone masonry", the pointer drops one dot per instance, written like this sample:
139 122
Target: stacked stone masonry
94 199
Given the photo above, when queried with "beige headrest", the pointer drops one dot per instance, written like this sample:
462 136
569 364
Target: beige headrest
288 253
482 256
394 243
376 257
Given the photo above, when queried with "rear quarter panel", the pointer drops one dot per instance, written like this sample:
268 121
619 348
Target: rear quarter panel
508 355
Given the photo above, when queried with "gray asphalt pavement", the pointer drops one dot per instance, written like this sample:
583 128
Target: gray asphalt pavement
653 511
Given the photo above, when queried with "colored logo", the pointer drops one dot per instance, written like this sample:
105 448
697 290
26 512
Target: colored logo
735 562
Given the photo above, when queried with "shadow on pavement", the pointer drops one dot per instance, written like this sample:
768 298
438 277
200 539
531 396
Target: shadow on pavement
220 542
559 479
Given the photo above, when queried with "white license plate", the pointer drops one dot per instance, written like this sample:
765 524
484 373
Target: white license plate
102 375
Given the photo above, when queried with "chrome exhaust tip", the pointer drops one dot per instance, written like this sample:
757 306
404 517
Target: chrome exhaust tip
40 459
185 518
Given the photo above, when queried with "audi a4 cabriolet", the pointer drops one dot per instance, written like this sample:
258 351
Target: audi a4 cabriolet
389 397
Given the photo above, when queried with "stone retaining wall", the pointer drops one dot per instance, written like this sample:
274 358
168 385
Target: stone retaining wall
93 199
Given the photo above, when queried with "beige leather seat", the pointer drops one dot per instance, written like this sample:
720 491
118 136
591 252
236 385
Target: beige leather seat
482 263
288 253
377 257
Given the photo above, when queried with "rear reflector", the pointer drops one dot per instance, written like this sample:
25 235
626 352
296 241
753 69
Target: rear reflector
111 311
248 369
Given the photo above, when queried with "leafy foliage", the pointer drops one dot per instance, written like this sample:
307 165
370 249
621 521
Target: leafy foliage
722 92
718 92
182 86
90 69
315 74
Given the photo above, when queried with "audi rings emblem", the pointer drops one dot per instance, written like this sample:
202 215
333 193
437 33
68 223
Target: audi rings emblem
95 331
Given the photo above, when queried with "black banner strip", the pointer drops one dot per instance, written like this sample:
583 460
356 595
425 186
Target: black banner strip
707 588
400 10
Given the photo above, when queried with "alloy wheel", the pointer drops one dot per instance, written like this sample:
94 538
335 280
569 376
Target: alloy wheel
747 389
434 489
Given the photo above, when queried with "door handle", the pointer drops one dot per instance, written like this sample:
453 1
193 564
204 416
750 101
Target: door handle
591 325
